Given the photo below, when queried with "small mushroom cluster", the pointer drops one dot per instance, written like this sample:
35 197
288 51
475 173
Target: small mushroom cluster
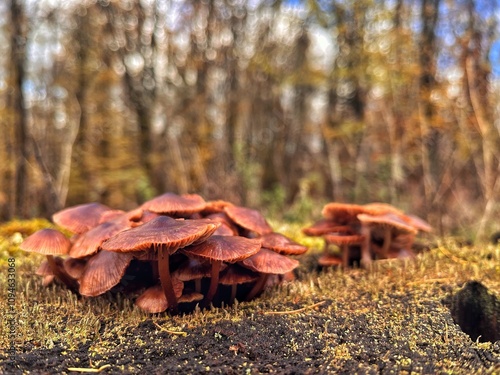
365 232
173 249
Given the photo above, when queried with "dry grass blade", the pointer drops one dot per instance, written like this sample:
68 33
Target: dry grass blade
294 311
427 281
90 370
456 259
179 333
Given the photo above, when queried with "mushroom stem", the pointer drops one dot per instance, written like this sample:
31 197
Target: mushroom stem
258 287
166 280
197 285
366 257
345 255
214 283
233 293
62 275
326 247
384 253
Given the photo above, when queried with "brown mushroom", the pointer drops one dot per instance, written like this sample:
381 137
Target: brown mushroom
417 223
325 226
218 249
227 228
190 297
112 215
344 242
140 216
248 219
380 208
401 247
153 299
80 218
103 271
386 225
173 204
215 207
165 235
282 244
235 275
329 260
194 270
267 262
88 243
50 242
135 215
46 271
342 213
74 267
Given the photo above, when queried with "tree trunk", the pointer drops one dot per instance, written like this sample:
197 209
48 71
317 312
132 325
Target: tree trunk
18 57
429 159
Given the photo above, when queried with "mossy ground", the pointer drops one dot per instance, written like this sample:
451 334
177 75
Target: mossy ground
394 318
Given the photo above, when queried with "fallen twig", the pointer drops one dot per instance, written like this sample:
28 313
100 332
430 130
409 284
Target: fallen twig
294 311
180 333
93 370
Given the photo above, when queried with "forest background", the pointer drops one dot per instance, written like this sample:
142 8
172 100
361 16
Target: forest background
279 105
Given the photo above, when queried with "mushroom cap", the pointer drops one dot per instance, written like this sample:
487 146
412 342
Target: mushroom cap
215 206
88 243
282 244
48 242
418 223
221 217
403 241
74 267
225 230
235 274
146 216
342 213
173 204
163 230
268 261
146 255
190 297
324 226
45 270
153 300
193 269
47 280
352 239
328 260
103 271
224 248
249 219
390 220
80 218
112 215
380 208
135 214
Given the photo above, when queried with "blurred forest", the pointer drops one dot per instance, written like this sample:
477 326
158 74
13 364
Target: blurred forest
282 105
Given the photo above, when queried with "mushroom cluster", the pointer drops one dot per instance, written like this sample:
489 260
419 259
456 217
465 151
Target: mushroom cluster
173 251
362 233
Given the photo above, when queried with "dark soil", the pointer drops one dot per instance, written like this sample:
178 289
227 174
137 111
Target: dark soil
395 320
309 342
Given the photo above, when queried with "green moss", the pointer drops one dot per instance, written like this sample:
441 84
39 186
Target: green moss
24 227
